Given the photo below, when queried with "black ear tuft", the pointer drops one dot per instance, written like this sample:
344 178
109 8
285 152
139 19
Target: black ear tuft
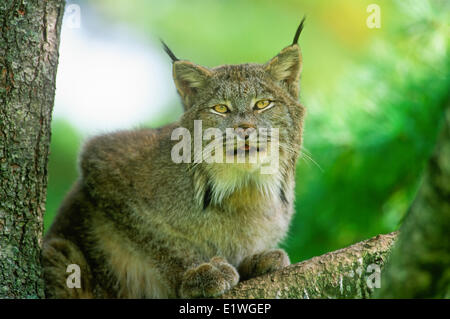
299 30
169 52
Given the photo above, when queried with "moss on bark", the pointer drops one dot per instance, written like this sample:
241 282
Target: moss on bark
350 272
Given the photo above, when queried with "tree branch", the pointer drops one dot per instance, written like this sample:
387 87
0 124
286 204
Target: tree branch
350 272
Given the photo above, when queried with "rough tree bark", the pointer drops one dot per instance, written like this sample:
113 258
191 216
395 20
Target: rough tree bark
352 272
29 41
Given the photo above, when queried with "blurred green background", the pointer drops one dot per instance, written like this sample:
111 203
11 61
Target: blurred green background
374 99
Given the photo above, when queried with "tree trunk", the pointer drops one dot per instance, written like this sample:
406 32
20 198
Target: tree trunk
29 41
420 261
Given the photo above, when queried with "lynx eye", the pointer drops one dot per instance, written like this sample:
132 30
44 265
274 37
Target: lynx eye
220 108
262 104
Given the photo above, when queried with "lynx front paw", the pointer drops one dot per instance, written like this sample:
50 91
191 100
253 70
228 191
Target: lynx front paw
209 279
263 263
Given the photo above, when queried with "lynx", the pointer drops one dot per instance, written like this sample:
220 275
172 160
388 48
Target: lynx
141 225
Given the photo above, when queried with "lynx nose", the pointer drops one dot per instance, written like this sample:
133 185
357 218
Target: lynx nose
244 130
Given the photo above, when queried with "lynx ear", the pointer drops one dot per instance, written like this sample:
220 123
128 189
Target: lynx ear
189 78
285 68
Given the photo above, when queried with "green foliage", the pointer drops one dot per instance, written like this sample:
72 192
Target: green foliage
62 170
378 131
374 97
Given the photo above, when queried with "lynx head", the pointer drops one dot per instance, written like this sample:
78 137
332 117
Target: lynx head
251 99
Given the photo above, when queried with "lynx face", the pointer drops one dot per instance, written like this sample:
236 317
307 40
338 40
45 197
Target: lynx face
249 112
249 99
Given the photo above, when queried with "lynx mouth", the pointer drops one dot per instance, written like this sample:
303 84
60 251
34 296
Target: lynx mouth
247 149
